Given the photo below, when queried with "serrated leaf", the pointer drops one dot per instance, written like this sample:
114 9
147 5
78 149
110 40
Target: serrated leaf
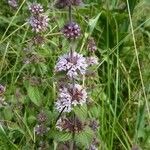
94 112
81 112
84 138
62 137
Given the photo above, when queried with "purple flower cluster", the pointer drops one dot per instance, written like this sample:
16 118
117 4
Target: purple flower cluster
36 8
38 39
93 147
70 96
64 3
70 125
2 89
38 21
91 45
92 60
94 144
63 102
71 30
73 63
42 117
41 129
13 3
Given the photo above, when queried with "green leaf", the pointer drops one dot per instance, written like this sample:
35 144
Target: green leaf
94 111
93 22
34 94
81 112
85 138
31 119
62 137
8 113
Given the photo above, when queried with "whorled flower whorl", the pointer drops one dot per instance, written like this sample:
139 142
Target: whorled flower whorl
70 124
64 3
73 63
39 23
72 95
71 30
91 45
13 3
35 8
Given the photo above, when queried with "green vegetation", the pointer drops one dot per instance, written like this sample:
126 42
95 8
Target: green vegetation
120 89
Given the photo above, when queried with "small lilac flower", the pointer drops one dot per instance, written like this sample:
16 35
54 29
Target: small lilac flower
64 101
91 45
2 89
13 3
36 8
73 63
92 60
71 30
39 23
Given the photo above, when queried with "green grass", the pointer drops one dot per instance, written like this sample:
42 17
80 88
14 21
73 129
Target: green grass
121 90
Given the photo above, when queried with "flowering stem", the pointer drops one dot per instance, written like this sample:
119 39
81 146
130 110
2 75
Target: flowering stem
70 13
73 80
